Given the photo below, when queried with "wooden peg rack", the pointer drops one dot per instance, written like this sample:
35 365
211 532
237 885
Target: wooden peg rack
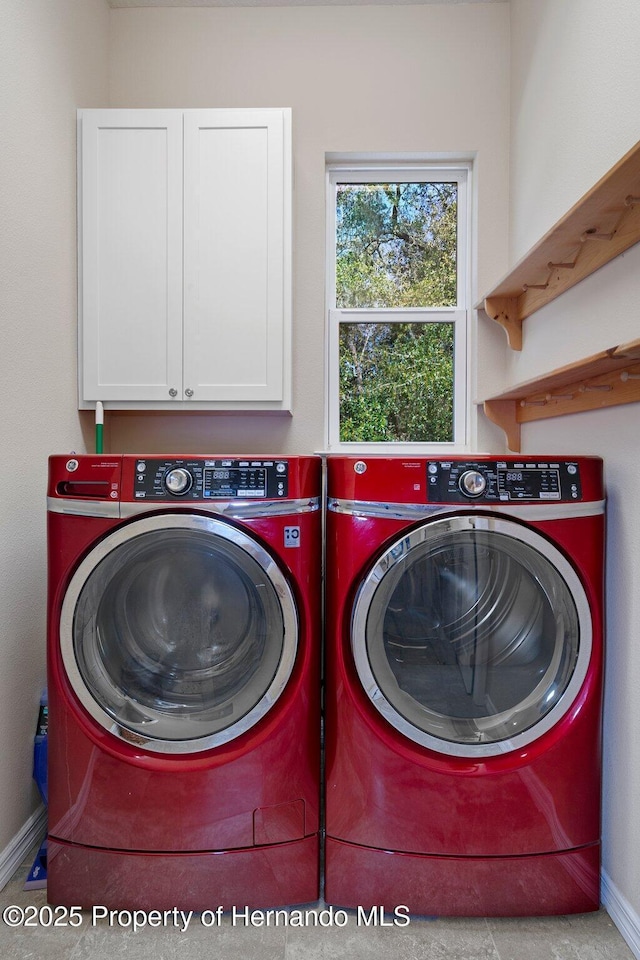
606 379
602 225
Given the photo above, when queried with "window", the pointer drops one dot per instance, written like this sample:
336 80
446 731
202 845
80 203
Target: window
398 304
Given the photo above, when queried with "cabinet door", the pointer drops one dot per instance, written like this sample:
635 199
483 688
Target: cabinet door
130 225
237 242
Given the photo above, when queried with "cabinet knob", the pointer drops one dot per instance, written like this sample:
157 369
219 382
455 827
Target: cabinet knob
173 392
188 392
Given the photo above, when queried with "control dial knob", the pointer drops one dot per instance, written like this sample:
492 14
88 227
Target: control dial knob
472 483
178 481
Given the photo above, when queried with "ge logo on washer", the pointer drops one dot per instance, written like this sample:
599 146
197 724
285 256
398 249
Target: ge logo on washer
292 536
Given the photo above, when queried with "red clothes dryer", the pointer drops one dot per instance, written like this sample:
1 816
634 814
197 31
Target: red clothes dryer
183 662
464 684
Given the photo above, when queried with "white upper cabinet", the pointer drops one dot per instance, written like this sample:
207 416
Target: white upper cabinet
130 254
185 259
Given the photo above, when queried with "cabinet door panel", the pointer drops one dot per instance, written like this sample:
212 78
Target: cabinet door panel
237 253
131 254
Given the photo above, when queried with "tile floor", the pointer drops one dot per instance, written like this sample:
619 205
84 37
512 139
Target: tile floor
582 937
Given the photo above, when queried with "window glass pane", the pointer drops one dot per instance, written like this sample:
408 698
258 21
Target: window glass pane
396 245
396 382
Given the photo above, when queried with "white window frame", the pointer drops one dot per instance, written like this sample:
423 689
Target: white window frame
394 170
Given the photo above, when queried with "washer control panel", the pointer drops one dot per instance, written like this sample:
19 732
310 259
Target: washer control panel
458 481
159 478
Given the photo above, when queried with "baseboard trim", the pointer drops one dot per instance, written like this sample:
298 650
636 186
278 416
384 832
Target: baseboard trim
15 852
622 913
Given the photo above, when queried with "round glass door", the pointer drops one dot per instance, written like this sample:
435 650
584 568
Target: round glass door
472 635
178 632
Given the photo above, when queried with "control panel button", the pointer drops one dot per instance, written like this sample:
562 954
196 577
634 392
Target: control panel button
472 483
178 481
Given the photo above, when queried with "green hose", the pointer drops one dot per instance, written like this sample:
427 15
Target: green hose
99 426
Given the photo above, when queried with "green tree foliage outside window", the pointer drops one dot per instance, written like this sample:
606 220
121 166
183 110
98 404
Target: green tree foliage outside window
396 248
396 382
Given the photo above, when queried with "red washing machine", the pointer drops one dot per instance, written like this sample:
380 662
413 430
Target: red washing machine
464 682
184 660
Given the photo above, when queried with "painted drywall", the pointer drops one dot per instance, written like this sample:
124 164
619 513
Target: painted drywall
384 79
53 56
575 91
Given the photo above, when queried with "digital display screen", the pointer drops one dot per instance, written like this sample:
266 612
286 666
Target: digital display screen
235 482
537 484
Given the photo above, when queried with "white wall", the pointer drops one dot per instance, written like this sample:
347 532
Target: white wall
53 56
575 94
410 78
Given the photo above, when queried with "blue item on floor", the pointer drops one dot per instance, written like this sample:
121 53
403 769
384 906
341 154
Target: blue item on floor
37 878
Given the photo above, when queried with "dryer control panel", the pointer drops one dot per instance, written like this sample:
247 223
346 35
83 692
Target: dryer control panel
459 481
162 478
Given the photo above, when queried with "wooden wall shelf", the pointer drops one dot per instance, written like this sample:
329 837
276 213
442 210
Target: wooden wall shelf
602 225
606 379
